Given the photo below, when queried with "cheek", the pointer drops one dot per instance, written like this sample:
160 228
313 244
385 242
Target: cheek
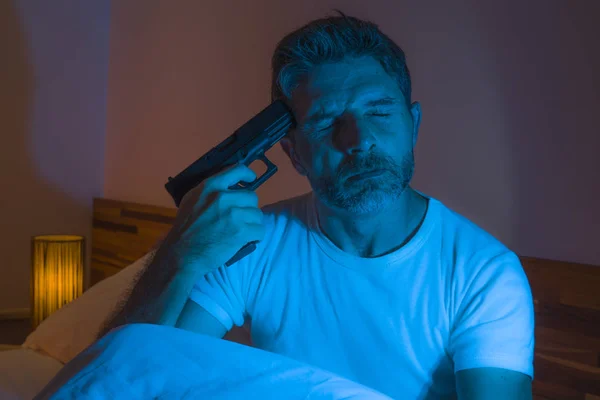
324 163
318 159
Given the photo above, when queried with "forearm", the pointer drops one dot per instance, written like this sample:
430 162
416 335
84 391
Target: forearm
159 295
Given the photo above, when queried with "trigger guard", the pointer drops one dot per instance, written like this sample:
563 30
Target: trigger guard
271 169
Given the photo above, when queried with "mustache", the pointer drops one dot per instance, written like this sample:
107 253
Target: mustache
358 166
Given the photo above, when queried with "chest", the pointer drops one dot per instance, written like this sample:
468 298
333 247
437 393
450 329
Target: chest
345 311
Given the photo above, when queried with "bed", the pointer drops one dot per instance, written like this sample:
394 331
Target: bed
566 298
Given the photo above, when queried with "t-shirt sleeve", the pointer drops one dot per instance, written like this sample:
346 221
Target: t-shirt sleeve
226 291
220 293
494 322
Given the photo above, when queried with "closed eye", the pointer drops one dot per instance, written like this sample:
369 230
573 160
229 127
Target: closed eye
325 128
372 114
328 126
379 115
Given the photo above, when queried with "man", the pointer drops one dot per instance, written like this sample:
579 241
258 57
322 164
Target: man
364 276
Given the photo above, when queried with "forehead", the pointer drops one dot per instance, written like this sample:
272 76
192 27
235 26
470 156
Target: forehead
338 85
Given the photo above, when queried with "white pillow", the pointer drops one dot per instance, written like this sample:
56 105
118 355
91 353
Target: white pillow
76 325
24 373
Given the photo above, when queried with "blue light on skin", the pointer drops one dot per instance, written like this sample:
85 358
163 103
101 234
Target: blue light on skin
353 118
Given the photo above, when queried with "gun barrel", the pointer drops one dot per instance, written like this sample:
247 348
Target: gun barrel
245 145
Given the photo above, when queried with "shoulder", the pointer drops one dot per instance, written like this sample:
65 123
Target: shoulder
465 229
288 207
468 241
294 210
284 218
474 257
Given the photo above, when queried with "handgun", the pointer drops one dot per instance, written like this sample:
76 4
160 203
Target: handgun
246 145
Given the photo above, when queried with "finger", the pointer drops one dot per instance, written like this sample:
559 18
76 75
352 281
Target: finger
248 215
213 184
229 177
237 198
207 186
254 232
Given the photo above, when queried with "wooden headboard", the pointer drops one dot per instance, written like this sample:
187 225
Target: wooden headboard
566 297
123 232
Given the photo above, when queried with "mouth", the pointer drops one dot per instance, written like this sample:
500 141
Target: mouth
367 175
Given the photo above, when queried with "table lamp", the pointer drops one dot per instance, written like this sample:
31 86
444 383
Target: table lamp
56 273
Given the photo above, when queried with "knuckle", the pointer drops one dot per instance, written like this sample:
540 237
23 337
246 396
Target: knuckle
237 229
251 198
236 219
236 213
221 199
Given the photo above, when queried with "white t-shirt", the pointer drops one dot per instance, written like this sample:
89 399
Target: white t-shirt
452 298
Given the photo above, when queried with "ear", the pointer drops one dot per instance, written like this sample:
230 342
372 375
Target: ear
290 149
415 111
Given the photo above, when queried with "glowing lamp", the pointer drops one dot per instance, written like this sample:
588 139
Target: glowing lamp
56 273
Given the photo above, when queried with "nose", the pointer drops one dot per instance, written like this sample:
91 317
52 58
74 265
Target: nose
354 136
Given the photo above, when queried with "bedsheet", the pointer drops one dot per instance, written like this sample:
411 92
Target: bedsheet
143 361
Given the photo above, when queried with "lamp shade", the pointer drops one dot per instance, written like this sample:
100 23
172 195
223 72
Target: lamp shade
56 273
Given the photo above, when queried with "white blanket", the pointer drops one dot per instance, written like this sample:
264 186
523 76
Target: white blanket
143 361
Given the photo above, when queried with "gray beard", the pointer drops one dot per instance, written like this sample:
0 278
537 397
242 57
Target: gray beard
366 196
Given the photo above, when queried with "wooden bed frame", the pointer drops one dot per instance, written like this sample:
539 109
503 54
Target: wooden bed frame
566 297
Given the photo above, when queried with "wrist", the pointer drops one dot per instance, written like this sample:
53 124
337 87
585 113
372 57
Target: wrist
183 258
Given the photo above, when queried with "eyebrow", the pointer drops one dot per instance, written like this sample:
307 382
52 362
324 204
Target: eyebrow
384 101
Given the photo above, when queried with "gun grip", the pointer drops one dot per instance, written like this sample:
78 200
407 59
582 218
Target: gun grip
243 252
271 169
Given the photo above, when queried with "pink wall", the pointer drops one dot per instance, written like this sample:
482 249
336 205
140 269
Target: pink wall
53 78
509 91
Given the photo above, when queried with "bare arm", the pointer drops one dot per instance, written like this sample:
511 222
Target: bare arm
196 319
492 383
212 224
160 293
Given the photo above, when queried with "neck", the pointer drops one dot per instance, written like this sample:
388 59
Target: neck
374 235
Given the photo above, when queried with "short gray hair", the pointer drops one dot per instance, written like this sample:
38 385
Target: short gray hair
332 39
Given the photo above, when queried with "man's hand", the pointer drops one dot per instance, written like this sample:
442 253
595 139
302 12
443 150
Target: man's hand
213 222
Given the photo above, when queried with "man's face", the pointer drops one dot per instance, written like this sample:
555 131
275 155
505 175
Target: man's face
355 135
